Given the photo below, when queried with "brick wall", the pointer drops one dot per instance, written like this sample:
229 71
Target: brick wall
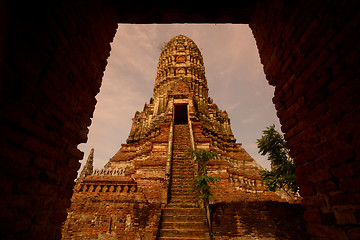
55 56
310 54
257 220
117 214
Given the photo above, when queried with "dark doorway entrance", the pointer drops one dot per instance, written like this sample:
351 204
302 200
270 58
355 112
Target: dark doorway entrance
181 114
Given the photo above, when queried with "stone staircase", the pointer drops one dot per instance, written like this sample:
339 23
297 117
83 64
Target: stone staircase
182 218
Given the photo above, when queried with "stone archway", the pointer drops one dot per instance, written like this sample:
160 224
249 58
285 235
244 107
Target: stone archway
53 62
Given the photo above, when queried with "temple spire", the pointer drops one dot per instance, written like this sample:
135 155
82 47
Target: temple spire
88 168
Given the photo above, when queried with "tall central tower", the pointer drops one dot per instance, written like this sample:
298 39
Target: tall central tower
180 93
149 176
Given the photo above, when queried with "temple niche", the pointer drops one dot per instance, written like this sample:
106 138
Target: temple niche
142 191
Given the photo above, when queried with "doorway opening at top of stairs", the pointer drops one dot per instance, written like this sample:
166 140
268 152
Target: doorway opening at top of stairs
181 114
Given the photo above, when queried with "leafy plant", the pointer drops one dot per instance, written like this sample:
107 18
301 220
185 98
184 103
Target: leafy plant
201 182
282 173
202 187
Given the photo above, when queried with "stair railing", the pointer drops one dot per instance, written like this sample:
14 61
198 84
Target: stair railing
191 135
196 173
192 140
165 197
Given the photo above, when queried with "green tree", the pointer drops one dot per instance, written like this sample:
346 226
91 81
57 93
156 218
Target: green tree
282 173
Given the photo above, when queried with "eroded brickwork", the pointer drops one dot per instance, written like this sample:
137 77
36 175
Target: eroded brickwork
258 219
51 70
309 52
110 207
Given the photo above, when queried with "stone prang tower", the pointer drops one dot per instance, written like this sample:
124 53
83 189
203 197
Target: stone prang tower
147 181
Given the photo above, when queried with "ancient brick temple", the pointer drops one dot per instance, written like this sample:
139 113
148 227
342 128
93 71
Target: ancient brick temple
143 191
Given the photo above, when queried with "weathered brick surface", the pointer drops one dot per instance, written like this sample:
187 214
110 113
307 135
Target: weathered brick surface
257 219
309 53
51 70
110 208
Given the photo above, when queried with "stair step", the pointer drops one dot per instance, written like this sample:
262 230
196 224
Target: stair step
182 177
181 195
183 211
182 181
182 168
181 185
182 205
181 238
182 218
182 165
185 193
186 182
183 201
187 189
182 233
182 173
183 225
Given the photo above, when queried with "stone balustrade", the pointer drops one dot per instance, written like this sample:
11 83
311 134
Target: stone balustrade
247 184
110 171
107 188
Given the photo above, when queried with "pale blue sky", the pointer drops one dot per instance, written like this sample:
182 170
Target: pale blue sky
234 73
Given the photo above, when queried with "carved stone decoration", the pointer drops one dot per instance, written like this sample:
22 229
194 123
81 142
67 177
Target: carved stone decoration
180 58
88 168
115 171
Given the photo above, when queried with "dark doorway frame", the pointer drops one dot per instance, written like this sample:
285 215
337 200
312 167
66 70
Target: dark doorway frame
181 114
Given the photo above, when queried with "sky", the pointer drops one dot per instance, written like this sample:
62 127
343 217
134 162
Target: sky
233 70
